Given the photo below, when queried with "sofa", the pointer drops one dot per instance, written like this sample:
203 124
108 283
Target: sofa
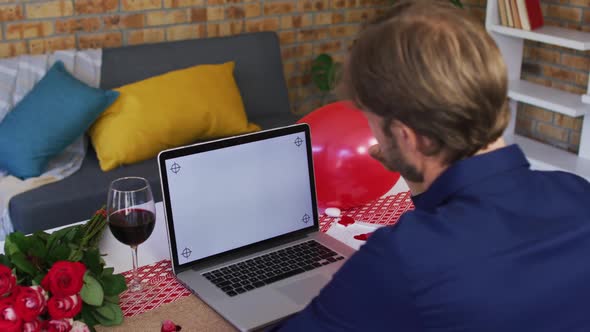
260 79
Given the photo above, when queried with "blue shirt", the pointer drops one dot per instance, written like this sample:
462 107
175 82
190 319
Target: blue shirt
491 246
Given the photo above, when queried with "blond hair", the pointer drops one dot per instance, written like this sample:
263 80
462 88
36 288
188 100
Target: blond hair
434 68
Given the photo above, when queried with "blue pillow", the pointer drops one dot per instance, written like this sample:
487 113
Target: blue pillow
57 111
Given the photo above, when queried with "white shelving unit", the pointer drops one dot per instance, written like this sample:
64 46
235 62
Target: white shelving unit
511 42
577 40
556 100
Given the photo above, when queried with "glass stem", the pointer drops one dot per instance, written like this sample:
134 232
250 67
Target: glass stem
135 284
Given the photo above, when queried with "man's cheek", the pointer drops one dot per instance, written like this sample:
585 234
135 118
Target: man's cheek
375 152
378 155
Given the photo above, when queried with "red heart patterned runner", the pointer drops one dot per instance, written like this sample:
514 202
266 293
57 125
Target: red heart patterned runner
163 288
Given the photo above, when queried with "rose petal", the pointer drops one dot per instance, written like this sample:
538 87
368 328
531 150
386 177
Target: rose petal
362 237
346 220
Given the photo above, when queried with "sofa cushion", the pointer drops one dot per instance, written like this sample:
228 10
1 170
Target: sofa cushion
169 110
57 111
258 72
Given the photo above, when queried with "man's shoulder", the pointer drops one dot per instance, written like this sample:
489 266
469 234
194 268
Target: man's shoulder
413 223
531 190
414 231
562 179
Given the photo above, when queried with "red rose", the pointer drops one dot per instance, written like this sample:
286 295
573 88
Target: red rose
30 302
32 326
57 325
64 278
9 320
64 306
8 300
7 281
78 326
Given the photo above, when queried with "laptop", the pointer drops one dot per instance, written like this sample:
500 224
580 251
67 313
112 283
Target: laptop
243 228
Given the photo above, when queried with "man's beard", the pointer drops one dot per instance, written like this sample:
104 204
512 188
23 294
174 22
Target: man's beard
395 161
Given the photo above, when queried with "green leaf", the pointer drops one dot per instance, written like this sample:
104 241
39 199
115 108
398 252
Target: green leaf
41 235
88 317
16 242
107 271
37 248
4 260
59 234
56 243
79 233
105 312
37 280
75 256
70 235
92 261
10 247
112 299
52 239
323 72
114 284
92 292
323 59
109 314
21 262
58 253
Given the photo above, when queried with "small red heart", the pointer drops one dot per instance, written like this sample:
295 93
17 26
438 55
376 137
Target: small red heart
346 220
363 237
169 326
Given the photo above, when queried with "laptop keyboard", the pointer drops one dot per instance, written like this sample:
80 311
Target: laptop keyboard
263 270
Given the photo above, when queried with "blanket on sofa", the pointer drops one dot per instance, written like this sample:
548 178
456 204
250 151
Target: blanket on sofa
18 76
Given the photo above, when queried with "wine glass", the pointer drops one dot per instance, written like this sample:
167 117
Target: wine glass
131 217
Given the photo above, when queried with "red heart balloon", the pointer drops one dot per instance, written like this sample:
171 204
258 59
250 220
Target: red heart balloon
346 175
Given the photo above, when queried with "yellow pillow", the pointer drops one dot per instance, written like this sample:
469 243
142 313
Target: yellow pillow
169 110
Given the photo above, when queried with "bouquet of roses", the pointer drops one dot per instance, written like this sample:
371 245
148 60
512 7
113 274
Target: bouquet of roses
58 282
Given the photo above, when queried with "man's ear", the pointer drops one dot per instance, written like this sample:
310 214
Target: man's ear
406 137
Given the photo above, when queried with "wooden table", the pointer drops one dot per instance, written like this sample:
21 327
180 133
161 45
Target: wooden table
189 312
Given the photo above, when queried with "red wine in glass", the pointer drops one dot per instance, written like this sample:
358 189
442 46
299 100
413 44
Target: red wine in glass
132 227
131 217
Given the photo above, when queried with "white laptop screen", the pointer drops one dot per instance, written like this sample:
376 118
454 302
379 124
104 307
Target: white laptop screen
238 195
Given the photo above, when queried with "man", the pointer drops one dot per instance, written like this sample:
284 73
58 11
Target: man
492 245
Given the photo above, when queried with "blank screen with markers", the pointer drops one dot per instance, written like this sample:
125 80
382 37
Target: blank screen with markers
235 196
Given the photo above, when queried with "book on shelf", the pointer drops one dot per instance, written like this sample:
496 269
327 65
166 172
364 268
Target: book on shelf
509 13
523 15
515 14
533 8
520 14
503 14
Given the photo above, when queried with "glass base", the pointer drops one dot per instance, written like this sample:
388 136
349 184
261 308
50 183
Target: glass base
136 286
140 294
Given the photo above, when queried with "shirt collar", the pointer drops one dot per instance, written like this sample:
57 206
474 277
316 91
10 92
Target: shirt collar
466 172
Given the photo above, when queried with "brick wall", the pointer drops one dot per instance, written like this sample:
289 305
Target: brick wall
557 67
306 28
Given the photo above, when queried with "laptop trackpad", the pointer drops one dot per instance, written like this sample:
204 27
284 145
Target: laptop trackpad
302 291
